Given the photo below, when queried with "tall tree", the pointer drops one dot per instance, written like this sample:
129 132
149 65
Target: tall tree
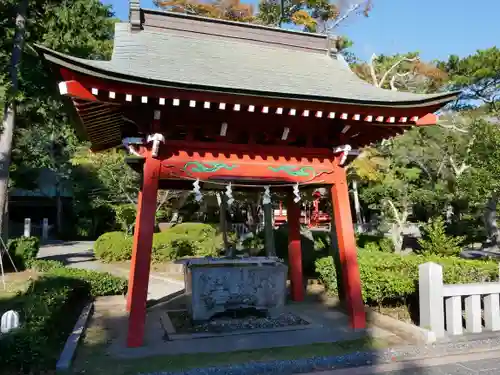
320 16
9 113
478 75
401 72
232 10
78 27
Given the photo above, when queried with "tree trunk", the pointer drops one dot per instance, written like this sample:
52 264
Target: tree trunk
490 221
178 206
9 117
449 213
268 230
397 237
357 206
223 223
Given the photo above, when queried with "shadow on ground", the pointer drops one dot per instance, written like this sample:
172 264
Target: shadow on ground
103 349
69 259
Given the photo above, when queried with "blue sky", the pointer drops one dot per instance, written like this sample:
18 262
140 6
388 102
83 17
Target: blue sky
436 28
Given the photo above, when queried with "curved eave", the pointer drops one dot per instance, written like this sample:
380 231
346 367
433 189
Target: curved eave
80 66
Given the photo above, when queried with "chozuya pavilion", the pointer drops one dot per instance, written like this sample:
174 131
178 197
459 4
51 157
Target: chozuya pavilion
205 102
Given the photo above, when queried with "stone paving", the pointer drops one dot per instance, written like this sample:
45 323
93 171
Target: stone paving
80 255
465 357
326 326
482 363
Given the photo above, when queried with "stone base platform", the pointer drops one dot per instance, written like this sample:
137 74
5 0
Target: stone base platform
326 324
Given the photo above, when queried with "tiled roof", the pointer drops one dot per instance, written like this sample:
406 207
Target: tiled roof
187 60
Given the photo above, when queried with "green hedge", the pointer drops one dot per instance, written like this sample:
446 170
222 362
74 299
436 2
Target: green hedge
182 240
390 277
314 245
169 246
22 250
113 247
49 309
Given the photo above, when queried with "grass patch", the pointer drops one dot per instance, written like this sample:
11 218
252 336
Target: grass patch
15 284
92 359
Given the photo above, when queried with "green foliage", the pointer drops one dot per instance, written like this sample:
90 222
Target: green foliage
43 137
255 242
49 309
23 250
386 277
100 283
404 72
370 242
42 265
478 75
314 245
113 247
168 246
197 231
48 312
182 240
163 215
483 178
125 216
435 240
206 239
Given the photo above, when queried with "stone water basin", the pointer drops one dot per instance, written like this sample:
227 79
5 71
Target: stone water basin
216 285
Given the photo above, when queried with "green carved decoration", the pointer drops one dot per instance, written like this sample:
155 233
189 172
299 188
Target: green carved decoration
207 167
295 171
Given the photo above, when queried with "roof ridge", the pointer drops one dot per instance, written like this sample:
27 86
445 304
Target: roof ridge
134 14
233 23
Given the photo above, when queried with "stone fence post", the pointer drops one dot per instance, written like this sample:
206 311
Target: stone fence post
45 229
430 284
27 227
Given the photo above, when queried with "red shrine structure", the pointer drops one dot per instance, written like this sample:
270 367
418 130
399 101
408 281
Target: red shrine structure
198 99
311 216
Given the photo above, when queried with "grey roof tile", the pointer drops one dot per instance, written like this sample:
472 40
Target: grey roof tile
219 63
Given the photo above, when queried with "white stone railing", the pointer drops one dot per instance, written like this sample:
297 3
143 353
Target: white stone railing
442 310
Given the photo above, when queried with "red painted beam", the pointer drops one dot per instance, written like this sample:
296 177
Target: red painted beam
139 90
141 253
427 120
208 166
347 249
294 249
75 90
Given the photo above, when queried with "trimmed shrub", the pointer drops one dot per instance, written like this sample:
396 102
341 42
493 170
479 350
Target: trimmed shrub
113 247
49 308
168 246
370 242
314 245
23 250
389 277
195 231
182 240
100 283
41 265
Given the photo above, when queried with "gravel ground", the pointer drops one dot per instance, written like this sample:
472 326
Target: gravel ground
222 324
286 367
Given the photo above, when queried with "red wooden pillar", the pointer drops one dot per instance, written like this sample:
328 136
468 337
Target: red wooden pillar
141 253
294 249
347 249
